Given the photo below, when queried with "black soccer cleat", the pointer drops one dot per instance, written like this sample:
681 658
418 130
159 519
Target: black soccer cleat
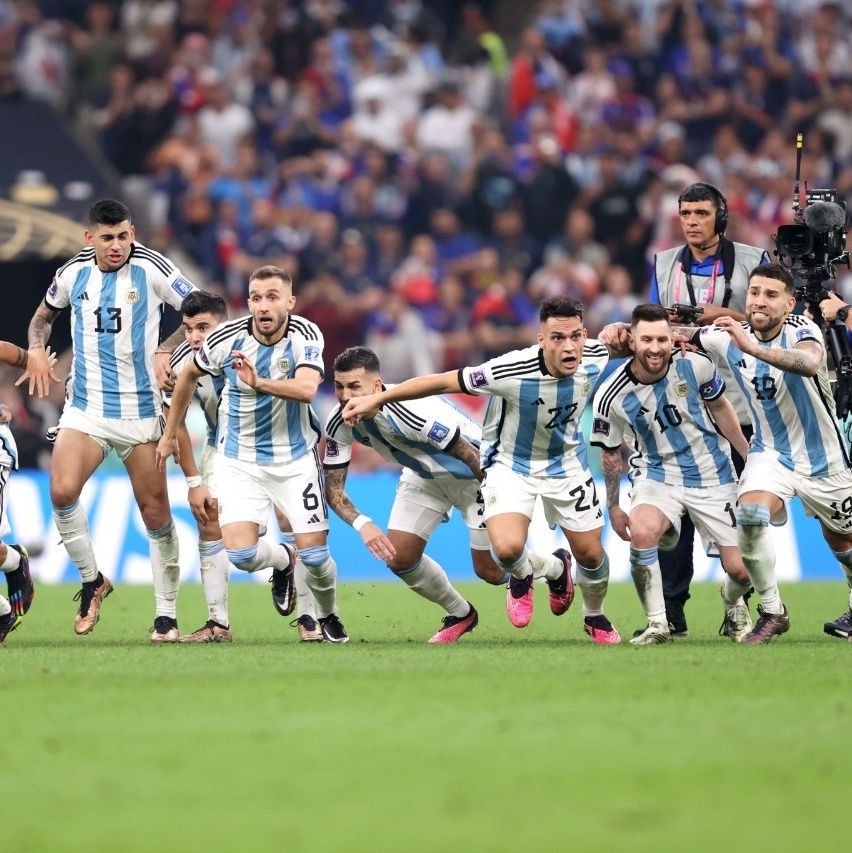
333 630
840 627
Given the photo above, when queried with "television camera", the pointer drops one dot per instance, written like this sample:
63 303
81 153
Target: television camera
811 248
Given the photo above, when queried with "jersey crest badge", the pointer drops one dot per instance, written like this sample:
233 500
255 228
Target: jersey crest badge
586 388
682 389
283 364
438 432
132 296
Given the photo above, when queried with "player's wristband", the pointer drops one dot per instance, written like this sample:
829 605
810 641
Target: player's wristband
194 482
161 351
361 521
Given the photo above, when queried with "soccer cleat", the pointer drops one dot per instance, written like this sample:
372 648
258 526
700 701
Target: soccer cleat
333 630
455 626
601 630
840 627
165 630
20 583
91 596
736 624
284 585
562 589
768 626
309 631
655 634
519 600
8 622
209 632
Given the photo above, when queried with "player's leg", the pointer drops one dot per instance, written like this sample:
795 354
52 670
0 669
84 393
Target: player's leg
306 618
76 456
14 560
152 498
677 569
466 496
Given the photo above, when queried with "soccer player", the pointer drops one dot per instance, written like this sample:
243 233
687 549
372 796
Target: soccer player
438 447
272 365
116 289
778 360
663 405
532 448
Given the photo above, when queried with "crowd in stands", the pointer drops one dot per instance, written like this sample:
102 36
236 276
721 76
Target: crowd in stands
426 178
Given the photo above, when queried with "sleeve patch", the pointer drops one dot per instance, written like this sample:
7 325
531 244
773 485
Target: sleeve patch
312 353
600 427
477 378
331 447
805 335
438 432
182 287
54 287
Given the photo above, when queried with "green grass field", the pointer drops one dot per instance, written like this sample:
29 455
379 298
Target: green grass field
510 740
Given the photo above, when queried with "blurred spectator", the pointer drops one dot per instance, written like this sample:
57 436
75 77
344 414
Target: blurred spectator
532 59
321 253
616 302
43 63
548 193
95 49
447 125
223 123
515 246
449 316
504 318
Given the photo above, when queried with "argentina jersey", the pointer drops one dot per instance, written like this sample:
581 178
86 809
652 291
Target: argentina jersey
793 416
665 423
115 327
208 390
532 422
257 427
417 434
8 448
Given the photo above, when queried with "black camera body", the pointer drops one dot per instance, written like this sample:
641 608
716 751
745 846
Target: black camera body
687 314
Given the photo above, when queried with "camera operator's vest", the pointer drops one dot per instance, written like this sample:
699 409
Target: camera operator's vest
667 267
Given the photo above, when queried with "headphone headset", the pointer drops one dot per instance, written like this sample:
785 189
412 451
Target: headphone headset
721 223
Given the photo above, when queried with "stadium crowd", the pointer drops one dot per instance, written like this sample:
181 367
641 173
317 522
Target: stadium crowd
426 179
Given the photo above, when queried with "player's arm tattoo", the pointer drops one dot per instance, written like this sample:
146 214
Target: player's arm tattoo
41 326
12 354
803 360
612 469
336 497
173 341
463 450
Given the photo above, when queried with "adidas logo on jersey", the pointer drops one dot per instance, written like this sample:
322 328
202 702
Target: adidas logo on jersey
538 402
314 519
740 363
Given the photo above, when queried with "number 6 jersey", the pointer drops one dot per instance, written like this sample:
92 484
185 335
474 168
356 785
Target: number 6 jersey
115 327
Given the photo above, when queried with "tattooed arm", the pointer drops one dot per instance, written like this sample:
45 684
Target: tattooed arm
612 469
804 359
38 370
463 450
374 538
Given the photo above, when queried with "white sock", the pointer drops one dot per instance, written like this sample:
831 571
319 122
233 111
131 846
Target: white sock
73 527
5 607
520 569
428 579
759 557
322 580
304 596
648 580
165 567
12 561
594 584
215 570
545 565
733 591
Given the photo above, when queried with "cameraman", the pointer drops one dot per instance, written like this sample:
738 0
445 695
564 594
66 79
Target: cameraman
711 273
834 308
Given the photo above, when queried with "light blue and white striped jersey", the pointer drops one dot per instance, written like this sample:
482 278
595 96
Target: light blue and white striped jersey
115 327
793 416
416 434
666 423
8 448
208 390
532 423
256 427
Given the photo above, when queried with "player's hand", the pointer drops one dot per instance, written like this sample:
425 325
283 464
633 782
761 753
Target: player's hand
244 366
616 336
163 371
167 446
377 543
735 330
201 503
5 414
618 518
359 408
829 307
39 372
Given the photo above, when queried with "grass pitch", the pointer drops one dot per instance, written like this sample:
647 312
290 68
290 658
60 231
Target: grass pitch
510 740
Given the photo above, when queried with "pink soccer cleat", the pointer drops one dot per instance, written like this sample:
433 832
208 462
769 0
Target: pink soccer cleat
601 630
562 589
455 626
519 600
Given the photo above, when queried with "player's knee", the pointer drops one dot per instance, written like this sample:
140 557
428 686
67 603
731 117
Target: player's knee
315 556
244 558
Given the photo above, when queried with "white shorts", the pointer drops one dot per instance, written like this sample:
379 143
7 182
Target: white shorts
5 527
711 508
421 505
827 498
569 502
119 434
247 491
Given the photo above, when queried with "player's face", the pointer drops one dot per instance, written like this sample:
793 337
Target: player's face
767 305
698 221
197 328
651 342
562 340
112 244
355 383
270 302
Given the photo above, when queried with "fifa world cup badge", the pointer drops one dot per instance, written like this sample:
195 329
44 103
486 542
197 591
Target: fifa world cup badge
132 296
